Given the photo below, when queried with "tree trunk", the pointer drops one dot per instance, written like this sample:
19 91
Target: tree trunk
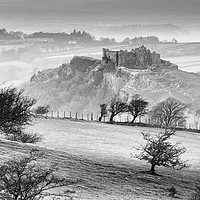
134 117
100 118
152 171
111 117
16 197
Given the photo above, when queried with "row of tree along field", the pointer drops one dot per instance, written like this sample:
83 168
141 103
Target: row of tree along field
170 112
28 178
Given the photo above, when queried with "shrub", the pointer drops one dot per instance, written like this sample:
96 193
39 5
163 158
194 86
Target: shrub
25 137
15 109
25 178
172 191
42 110
15 115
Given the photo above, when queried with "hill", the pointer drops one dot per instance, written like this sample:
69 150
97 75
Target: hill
163 31
100 156
85 83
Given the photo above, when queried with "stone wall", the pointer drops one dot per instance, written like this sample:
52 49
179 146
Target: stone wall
109 56
137 58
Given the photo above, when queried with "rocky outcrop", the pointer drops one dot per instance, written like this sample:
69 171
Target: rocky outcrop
44 75
83 64
79 66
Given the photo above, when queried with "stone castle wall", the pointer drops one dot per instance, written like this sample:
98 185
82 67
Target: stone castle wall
137 58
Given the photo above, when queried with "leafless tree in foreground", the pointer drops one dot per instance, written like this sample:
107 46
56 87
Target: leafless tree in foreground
169 113
25 178
158 151
15 108
16 114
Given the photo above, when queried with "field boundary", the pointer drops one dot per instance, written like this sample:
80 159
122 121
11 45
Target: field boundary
141 121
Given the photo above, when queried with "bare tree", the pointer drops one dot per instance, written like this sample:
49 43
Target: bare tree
116 107
158 151
24 178
14 108
169 113
137 107
103 111
15 113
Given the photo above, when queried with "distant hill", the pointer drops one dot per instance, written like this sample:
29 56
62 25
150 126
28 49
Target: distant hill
73 36
82 37
163 31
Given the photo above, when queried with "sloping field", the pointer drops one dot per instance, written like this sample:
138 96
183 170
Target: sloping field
100 156
105 141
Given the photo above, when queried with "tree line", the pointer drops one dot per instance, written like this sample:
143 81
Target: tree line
168 113
78 36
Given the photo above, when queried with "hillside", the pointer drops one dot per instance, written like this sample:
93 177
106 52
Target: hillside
85 83
100 156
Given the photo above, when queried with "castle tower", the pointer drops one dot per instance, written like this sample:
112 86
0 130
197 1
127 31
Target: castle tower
117 59
104 53
104 57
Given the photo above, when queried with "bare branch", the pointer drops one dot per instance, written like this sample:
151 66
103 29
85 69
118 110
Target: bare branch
158 151
24 178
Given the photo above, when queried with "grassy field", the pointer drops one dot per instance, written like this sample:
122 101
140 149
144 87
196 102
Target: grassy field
100 155
106 141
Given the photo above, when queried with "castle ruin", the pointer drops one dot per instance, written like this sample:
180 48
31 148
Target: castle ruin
139 58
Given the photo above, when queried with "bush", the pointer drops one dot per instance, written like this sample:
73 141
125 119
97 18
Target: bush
40 110
25 137
25 178
15 109
172 191
15 115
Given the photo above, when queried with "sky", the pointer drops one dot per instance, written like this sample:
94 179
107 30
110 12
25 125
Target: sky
44 15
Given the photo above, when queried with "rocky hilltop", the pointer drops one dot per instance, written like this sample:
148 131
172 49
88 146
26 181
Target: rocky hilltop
85 82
